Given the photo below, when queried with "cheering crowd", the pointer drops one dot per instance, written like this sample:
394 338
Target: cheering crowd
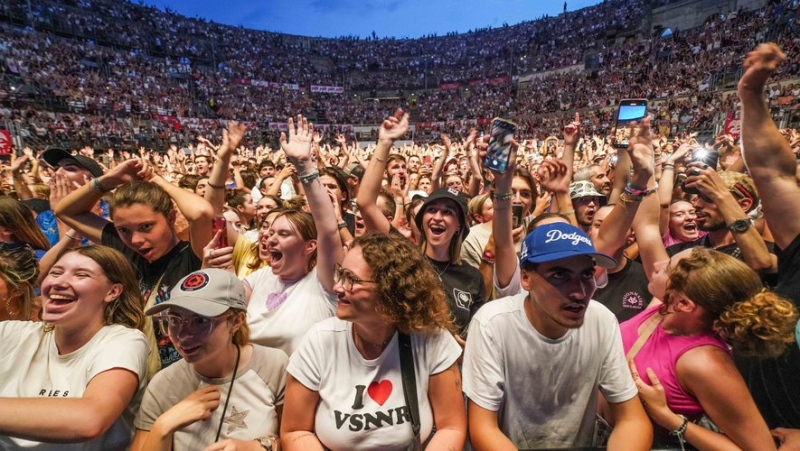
323 295
164 78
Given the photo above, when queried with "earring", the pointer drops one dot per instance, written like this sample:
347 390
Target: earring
8 306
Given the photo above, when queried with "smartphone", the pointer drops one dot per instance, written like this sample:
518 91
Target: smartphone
516 215
426 159
630 110
704 156
217 224
499 150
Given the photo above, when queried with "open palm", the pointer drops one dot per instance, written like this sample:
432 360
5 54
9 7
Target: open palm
298 146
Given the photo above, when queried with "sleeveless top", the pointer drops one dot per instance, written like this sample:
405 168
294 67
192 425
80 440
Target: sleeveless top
661 353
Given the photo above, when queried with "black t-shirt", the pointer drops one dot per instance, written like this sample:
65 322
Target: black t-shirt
775 383
465 290
166 272
626 293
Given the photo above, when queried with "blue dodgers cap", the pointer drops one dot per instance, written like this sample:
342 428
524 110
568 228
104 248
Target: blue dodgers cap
559 240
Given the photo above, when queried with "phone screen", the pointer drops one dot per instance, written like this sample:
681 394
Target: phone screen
516 215
499 149
629 111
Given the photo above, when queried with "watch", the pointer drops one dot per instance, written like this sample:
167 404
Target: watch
266 442
740 225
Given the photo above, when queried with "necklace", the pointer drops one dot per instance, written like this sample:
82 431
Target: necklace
380 346
439 274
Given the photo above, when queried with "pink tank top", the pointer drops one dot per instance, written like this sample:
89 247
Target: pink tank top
661 353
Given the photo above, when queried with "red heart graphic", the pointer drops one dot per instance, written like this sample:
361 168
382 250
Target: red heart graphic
380 391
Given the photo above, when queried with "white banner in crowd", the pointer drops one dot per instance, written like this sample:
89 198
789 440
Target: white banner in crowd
327 89
340 127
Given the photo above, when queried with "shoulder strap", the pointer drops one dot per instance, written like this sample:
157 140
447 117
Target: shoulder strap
409 379
649 327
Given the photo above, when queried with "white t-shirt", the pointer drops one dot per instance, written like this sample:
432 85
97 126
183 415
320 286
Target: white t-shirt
279 314
362 401
31 367
544 390
257 391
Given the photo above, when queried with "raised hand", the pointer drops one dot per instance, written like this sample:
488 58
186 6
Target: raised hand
572 132
17 165
60 187
394 127
298 146
446 142
136 169
555 176
759 65
641 149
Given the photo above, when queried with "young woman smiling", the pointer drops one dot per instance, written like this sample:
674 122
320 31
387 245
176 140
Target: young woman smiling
345 388
296 291
86 361
143 230
225 393
442 222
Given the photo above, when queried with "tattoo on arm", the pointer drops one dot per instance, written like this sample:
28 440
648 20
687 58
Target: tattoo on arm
457 375
303 436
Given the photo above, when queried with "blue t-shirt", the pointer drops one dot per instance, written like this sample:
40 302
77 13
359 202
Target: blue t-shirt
48 225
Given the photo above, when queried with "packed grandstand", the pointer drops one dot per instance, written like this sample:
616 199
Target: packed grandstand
117 74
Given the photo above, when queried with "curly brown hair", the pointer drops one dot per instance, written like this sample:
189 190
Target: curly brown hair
752 320
408 292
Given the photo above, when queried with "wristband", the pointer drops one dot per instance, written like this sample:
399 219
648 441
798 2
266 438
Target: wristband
342 225
680 431
100 189
74 238
308 178
666 166
626 198
635 190
216 186
505 196
488 257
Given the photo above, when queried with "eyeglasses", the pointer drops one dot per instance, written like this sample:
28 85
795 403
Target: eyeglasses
194 325
347 278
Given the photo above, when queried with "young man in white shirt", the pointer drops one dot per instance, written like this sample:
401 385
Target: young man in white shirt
534 361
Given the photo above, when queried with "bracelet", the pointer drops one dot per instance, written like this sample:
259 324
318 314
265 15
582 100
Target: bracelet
505 196
635 190
488 257
216 186
627 198
382 161
342 225
100 189
74 238
568 212
666 166
680 431
308 178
